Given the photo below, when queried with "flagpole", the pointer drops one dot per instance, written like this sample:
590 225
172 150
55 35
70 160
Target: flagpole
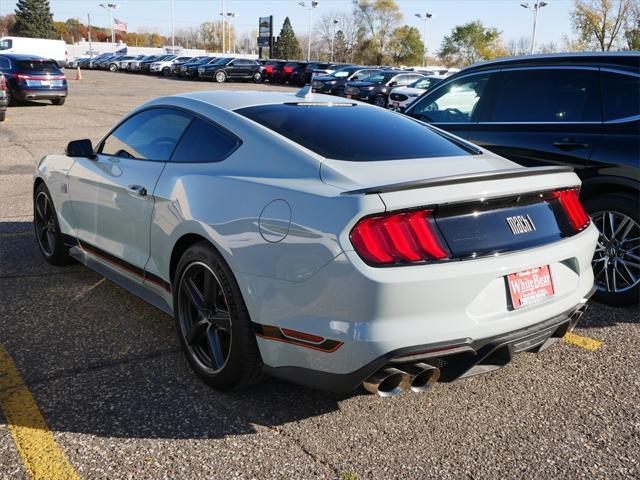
89 31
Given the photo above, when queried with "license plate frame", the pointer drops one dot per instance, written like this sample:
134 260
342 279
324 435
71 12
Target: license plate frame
529 287
45 83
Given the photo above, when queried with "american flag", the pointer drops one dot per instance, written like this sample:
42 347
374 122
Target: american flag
119 25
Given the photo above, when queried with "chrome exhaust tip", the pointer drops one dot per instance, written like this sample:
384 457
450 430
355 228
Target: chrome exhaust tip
423 376
387 382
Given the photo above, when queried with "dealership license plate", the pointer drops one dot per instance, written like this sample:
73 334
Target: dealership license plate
530 286
45 83
348 96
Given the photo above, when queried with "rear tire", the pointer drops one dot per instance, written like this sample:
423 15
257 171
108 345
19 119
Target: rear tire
257 77
59 101
612 254
2 115
113 67
47 229
166 71
218 340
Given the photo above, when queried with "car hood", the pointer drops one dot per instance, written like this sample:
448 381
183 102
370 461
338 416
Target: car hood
408 90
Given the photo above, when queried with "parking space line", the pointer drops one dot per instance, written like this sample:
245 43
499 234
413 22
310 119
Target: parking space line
42 456
584 342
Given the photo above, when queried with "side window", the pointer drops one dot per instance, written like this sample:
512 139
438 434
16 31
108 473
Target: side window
149 135
402 80
454 102
5 64
620 95
547 95
204 143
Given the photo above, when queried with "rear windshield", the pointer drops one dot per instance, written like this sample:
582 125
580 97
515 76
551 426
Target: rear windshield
39 65
352 132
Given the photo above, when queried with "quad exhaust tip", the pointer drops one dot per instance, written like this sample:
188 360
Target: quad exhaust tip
390 382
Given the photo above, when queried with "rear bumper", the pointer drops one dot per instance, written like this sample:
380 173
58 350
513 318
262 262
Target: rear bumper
377 313
33 94
471 358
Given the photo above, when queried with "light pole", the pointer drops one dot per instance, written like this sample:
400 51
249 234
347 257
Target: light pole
231 15
311 8
222 14
173 29
110 7
536 9
424 18
333 38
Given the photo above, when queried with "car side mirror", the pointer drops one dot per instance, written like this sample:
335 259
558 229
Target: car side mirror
393 84
80 148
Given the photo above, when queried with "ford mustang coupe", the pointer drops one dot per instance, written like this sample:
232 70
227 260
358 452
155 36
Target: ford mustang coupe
285 242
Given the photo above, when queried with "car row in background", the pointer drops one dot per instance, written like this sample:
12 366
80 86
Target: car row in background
27 77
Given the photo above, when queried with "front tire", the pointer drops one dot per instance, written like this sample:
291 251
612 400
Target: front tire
166 71
212 321
113 67
47 229
221 77
380 101
616 264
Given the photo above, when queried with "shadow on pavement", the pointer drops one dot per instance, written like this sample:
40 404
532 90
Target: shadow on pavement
102 362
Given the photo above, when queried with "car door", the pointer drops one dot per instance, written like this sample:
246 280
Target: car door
236 68
542 116
112 195
454 105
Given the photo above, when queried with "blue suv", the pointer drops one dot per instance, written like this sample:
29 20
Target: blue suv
33 78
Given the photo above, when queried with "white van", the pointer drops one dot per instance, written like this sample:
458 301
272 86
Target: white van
54 49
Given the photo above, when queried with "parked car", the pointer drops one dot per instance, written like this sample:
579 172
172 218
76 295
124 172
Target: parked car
115 64
401 97
145 67
375 88
75 63
105 63
92 63
578 110
231 69
33 78
273 70
134 65
44 48
125 63
303 75
178 70
164 66
334 281
289 71
192 69
4 99
334 84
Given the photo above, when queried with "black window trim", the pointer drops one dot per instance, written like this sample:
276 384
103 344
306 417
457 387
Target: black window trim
194 115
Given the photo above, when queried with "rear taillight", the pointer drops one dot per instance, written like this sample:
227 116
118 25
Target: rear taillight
398 239
572 207
3 84
268 69
288 69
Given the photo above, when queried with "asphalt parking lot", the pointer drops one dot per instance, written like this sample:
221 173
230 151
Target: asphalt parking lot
109 381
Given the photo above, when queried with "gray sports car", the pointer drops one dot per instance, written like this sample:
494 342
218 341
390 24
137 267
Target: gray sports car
322 240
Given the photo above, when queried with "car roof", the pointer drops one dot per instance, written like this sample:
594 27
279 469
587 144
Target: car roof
21 56
236 99
594 59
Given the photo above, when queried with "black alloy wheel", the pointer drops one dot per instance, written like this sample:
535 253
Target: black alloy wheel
47 230
616 263
212 320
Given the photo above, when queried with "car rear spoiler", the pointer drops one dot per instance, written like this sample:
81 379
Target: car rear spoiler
458 179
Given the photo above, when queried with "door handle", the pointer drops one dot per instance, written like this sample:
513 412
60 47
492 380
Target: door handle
137 190
570 144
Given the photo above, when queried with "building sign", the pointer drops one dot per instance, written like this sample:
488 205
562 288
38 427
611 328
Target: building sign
265 31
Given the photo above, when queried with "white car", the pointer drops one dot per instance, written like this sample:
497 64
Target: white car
164 66
388 258
401 97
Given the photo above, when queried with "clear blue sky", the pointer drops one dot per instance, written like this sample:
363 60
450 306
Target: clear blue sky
506 15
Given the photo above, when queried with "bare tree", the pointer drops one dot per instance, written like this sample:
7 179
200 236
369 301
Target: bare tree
521 46
601 23
332 22
377 20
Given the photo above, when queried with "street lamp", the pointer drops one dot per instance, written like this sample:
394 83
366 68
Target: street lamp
536 9
311 7
424 18
222 14
333 37
110 7
173 29
231 15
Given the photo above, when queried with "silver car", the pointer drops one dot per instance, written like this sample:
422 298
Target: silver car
321 240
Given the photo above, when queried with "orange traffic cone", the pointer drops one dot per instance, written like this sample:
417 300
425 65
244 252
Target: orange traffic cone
78 74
